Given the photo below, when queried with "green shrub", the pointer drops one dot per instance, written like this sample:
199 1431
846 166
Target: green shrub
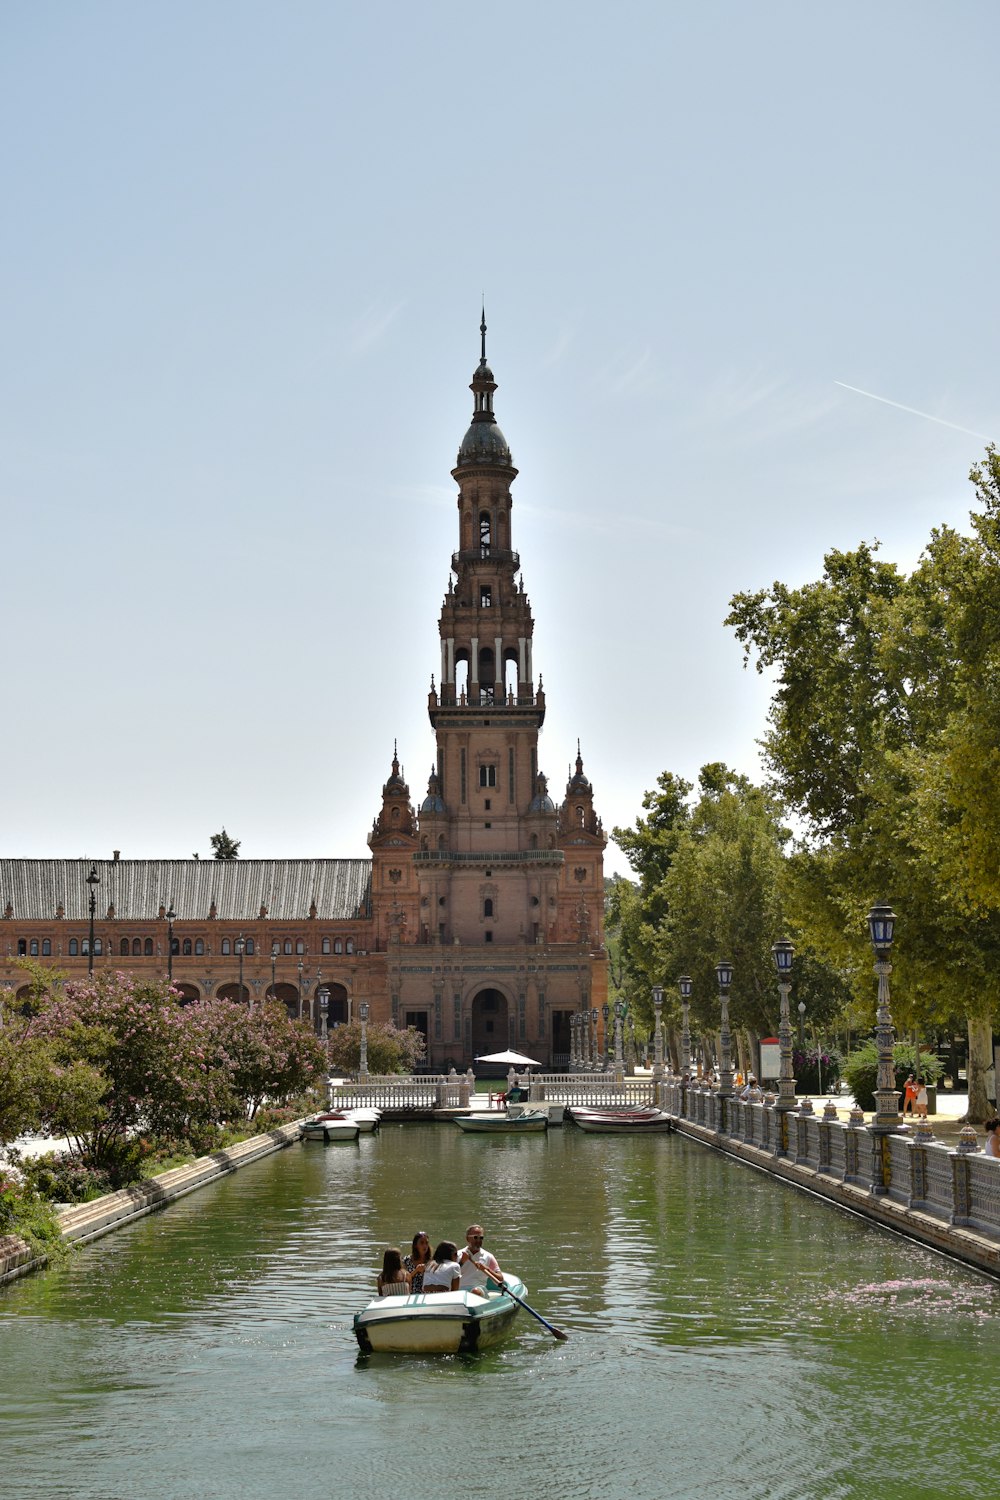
861 1069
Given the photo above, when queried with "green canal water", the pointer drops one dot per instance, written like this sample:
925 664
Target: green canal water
727 1336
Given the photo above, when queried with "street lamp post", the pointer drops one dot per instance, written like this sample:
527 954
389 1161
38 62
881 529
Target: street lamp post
274 964
724 974
595 1059
324 1010
93 880
301 967
620 1010
606 1012
240 945
171 914
657 1031
685 986
783 953
363 1017
881 925
801 1008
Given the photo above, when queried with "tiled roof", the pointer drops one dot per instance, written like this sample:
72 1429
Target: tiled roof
340 888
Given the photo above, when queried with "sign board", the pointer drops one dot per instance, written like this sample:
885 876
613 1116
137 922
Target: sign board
770 1057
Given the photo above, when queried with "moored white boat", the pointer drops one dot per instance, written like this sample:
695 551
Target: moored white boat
520 1124
437 1323
644 1121
365 1116
324 1128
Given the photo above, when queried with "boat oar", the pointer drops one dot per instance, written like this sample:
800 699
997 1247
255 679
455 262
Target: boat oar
556 1333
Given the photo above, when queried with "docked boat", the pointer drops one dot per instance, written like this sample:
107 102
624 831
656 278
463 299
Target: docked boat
366 1117
520 1124
437 1323
327 1128
644 1121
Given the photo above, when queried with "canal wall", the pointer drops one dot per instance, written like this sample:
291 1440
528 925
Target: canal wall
88 1221
905 1181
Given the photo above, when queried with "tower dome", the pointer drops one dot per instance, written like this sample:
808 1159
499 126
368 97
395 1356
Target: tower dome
483 443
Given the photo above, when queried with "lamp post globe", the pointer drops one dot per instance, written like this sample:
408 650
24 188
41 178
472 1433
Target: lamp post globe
240 945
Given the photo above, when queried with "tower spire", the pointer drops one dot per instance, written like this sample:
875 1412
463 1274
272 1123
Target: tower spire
482 330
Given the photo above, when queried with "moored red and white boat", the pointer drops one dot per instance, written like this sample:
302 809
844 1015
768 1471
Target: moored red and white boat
642 1120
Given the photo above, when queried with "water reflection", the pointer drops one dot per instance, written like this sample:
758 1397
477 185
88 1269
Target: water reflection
723 1331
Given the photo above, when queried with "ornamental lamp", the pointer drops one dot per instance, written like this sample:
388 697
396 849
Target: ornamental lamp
881 922
783 952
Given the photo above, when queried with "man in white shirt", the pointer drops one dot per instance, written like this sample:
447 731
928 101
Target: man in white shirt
475 1261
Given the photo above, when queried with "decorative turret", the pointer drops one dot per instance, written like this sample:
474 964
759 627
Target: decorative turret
396 816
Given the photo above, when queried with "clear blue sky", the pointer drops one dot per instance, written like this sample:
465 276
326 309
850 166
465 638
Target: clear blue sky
243 250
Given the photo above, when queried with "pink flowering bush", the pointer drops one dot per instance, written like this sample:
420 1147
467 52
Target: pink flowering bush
120 1063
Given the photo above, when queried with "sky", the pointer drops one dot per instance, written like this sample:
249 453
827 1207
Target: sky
740 271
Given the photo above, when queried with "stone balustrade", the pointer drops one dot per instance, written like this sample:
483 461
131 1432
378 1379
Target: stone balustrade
947 1197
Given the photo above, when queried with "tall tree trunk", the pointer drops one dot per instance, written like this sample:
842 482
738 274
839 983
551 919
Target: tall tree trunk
980 1059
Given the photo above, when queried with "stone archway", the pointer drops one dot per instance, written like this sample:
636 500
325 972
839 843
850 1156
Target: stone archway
489 1022
337 1010
189 993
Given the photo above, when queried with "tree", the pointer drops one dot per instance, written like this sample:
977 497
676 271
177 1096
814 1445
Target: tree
224 847
390 1050
882 739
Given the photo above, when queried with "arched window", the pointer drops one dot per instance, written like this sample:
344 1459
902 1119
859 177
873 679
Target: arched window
98 945
85 945
485 533
350 945
74 947
123 947
338 946
199 946
33 947
136 947
187 947
46 947
488 907
249 945
287 948
300 946
22 947
326 945
175 946
147 947
227 947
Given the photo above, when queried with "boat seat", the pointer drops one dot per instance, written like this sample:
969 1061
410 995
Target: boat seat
396 1289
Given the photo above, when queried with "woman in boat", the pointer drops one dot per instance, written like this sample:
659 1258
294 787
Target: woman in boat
417 1260
392 1276
444 1274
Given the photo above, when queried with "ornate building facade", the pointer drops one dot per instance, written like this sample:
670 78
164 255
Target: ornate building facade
479 917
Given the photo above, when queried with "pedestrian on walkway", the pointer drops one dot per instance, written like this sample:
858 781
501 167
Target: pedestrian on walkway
909 1095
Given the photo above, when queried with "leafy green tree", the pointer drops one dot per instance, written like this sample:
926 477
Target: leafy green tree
390 1050
223 847
882 740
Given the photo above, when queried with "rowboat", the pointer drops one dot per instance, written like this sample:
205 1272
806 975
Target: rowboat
366 1117
437 1323
645 1121
324 1128
520 1124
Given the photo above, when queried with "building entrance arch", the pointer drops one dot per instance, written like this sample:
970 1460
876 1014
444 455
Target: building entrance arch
489 1022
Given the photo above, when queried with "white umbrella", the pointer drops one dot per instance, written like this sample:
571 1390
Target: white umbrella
513 1059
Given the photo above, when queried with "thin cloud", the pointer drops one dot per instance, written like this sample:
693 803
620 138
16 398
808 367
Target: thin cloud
913 411
372 326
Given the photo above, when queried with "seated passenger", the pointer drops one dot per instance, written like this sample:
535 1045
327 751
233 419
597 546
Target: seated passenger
393 1280
444 1274
416 1261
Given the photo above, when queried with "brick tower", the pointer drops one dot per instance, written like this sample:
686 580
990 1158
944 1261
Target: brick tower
507 888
